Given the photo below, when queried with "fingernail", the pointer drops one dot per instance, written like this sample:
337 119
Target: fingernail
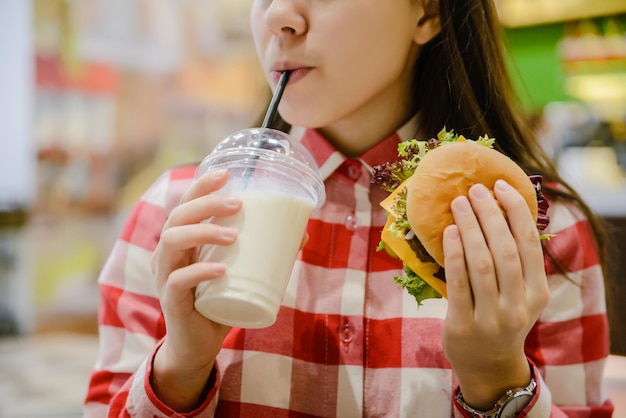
226 232
452 232
232 201
503 186
219 268
218 173
479 191
462 204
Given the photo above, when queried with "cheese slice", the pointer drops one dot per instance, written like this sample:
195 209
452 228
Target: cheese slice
401 248
390 200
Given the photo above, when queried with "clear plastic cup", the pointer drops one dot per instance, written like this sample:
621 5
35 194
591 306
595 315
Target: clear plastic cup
280 186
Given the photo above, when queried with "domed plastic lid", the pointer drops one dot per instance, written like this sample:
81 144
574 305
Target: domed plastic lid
263 146
265 142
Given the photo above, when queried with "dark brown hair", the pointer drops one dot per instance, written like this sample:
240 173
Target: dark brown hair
461 81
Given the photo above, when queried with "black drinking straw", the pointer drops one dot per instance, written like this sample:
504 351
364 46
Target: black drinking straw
269 117
278 93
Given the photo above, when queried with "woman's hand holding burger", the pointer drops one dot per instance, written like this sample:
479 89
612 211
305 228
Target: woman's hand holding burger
497 288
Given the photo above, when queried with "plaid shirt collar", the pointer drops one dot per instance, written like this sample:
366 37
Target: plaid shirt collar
329 159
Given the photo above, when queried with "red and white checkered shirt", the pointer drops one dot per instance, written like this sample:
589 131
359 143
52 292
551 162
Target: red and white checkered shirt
348 342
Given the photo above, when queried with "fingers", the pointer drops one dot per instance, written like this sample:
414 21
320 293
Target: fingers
480 266
503 255
184 231
526 236
190 236
177 247
460 296
203 208
177 295
185 227
200 203
502 245
205 184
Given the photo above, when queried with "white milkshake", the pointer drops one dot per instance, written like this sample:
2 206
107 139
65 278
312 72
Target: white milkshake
259 263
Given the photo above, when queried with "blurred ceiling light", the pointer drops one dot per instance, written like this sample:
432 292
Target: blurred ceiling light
597 86
606 93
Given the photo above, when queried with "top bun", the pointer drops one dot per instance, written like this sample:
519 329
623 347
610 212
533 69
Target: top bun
447 172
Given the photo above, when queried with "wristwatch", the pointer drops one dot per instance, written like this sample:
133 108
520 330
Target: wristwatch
508 406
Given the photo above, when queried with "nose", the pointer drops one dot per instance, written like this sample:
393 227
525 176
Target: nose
285 18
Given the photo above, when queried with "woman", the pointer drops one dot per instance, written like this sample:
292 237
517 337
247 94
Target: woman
348 341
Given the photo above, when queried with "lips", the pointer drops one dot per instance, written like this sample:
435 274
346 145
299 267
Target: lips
297 72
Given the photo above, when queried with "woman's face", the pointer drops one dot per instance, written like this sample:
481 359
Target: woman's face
350 59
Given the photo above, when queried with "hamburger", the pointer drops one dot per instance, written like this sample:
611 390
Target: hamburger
422 184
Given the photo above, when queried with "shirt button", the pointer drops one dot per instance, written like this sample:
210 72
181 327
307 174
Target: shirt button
354 172
351 223
346 335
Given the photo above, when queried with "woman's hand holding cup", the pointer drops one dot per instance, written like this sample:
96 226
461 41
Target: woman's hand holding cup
186 358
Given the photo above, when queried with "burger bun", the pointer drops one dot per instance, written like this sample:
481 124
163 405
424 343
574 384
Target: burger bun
448 171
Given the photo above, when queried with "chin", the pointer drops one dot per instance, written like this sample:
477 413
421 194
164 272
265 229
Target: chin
304 120
307 116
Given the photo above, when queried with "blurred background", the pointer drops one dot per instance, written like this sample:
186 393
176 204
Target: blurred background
98 97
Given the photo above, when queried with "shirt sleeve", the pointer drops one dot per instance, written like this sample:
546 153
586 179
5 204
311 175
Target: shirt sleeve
569 344
130 321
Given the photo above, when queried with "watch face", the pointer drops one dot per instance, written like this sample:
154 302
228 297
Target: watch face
514 405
